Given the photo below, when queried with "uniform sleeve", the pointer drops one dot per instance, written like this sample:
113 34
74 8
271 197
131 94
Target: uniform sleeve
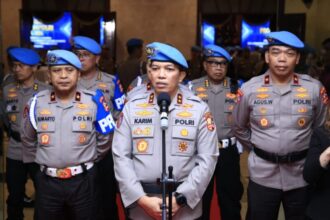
197 181
320 107
312 167
28 136
130 187
241 118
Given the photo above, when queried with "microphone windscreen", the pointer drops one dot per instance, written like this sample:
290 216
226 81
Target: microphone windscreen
163 96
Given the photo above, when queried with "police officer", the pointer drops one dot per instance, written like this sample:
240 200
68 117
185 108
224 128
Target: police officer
191 142
133 66
15 96
67 175
274 117
88 51
219 92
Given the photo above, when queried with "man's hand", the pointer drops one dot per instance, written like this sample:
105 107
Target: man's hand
325 158
152 205
175 206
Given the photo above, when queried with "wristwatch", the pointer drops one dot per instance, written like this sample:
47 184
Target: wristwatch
180 199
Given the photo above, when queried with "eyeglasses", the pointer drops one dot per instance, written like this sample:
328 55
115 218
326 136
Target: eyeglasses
214 63
83 55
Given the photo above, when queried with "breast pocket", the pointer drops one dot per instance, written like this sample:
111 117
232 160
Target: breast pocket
46 133
183 140
82 133
143 139
263 116
228 115
301 116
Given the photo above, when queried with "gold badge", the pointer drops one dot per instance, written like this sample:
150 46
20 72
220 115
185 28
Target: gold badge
202 95
302 110
143 105
82 139
102 85
231 95
301 122
13 118
144 113
187 105
263 110
12 95
209 121
144 131
262 96
45 112
184 114
44 126
184 132
301 89
264 122
83 125
45 139
183 146
200 89
302 95
262 89
82 106
82 113
142 146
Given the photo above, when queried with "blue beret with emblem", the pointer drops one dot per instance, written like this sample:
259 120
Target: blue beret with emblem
163 52
284 38
24 55
212 50
134 42
62 57
86 43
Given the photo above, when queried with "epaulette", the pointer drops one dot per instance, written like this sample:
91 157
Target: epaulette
305 77
108 76
198 81
88 92
42 93
10 85
194 98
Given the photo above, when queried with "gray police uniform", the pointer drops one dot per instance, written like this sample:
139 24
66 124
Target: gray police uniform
221 99
278 120
16 98
139 80
65 132
191 148
103 82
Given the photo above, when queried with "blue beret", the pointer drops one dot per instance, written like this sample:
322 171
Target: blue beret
24 55
62 57
212 50
134 42
163 52
86 43
284 38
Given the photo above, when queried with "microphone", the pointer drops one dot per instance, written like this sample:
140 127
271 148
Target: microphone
163 100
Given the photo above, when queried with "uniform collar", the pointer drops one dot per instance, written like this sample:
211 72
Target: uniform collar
176 101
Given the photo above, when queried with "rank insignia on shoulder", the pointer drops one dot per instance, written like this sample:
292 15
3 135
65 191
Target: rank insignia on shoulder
179 99
183 146
151 98
209 121
144 113
184 114
78 96
142 146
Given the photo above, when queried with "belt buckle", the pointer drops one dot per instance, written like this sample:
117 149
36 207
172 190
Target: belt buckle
63 173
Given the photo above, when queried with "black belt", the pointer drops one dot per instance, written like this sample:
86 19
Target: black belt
155 188
275 158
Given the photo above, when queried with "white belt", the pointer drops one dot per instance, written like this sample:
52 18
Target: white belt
224 143
67 172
